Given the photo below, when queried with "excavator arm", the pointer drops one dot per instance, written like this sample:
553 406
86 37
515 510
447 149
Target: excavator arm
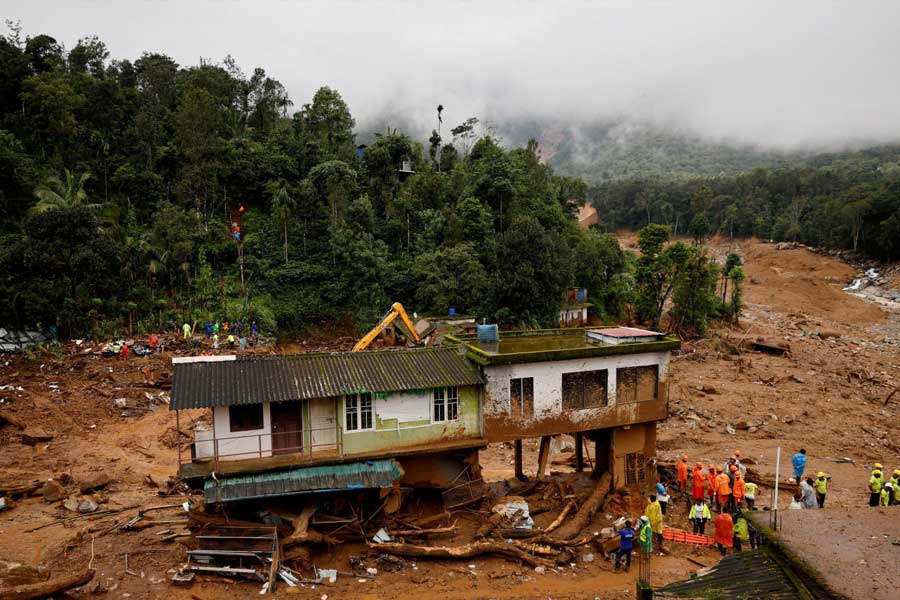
397 310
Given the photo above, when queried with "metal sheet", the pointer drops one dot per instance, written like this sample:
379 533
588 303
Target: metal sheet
255 379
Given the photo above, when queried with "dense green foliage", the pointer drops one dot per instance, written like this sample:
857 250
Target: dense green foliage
845 201
121 184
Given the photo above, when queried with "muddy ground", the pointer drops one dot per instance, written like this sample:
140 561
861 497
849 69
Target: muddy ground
827 395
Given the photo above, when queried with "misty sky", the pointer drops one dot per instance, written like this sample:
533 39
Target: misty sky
784 74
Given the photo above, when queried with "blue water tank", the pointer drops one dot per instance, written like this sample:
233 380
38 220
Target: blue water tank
451 311
581 295
488 334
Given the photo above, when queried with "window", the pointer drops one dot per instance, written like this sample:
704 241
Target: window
446 404
358 412
637 384
635 472
245 417
585 389
521 396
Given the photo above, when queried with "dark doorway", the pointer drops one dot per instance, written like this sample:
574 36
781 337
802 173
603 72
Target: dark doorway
287 427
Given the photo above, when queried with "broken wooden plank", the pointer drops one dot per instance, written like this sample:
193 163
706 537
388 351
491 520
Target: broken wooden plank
562 515
424 532
543 456
583 517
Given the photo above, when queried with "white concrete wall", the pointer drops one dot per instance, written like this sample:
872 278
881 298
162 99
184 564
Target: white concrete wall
405 407
548 380
238 444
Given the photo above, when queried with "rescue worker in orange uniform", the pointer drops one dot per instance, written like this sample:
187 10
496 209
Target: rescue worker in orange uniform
724 532
699 482
723 489
739 489
711 484
681 472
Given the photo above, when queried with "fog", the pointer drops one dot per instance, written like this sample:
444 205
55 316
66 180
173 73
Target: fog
796 75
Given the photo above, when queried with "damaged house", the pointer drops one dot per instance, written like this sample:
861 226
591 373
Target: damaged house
286 425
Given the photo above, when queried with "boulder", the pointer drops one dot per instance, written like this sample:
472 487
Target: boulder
14 574
71 503
95 482
33 436
53 491
88 505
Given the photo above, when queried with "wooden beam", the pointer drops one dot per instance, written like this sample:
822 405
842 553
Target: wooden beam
579 452
51 587
543 456
520 473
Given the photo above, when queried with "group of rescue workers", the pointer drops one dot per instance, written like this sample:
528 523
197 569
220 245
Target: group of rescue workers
881 492
233 333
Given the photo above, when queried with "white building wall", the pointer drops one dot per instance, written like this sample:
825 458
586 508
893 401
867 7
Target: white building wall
548 379
235 445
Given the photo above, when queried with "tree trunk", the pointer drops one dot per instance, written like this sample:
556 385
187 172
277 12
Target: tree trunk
51 587
586 512
460 552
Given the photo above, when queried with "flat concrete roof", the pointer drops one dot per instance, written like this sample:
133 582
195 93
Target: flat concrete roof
552 344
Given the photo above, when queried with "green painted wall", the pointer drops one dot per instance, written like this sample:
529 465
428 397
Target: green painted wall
387 435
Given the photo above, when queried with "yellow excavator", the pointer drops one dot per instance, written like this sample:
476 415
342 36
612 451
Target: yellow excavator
397 310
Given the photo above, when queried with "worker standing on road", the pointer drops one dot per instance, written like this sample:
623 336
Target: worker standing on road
645 536
738 490
723 490
186 328
895 481
626 543
750 490
875 485
724 532
698 480
711 484
699 516
741 532
662 496
821 488
732 472
887 494
655 514
681 470
799 464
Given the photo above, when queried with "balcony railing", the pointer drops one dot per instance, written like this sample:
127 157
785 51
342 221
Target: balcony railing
307 443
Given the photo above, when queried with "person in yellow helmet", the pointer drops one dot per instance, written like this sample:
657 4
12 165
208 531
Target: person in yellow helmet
895 481
876 483
821 485
887 493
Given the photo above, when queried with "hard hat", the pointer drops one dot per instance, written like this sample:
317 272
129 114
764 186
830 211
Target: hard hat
712 466
684 458
645 519
733 467
737 474
820 474
718 469
877 466
737 452
889 485
876 473
897 472
699 465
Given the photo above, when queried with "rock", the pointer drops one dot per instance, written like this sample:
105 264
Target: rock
742 425
71 503
121 402
708 389
828 333
752 429
588 558
797 379
53 491
100 480
88 505
33 436
607 532
729 429
788 420
15 574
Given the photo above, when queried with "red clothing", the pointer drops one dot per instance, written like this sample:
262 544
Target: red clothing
682 473
699 480
739 489
724 529
154 341
723 485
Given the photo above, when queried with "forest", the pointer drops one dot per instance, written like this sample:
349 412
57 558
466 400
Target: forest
841 201
140 194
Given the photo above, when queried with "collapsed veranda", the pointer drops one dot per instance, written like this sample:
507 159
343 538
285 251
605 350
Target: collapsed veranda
311 423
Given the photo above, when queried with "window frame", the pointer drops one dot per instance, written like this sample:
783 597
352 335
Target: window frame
582 376
242 408
633 381
518 411
359 411
445 398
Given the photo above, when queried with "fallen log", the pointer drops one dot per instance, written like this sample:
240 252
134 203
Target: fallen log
584 515
492 523
467 551
5 417
424 532
558 521
51 587
22 489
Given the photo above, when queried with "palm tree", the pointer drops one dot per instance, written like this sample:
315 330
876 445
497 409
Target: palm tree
56 193
282 206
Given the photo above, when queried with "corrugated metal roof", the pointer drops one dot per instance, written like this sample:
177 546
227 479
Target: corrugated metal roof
254 379
754 574
358 475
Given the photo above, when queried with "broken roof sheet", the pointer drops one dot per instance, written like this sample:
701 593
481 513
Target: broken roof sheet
255 379
358 475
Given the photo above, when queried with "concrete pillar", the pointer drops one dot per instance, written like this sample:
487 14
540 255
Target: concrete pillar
602 452
543 456
520 474
579 452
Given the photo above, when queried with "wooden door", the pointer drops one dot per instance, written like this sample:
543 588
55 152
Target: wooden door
323 423
287 427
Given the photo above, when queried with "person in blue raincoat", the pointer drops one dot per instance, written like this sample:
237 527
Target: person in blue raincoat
799 464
